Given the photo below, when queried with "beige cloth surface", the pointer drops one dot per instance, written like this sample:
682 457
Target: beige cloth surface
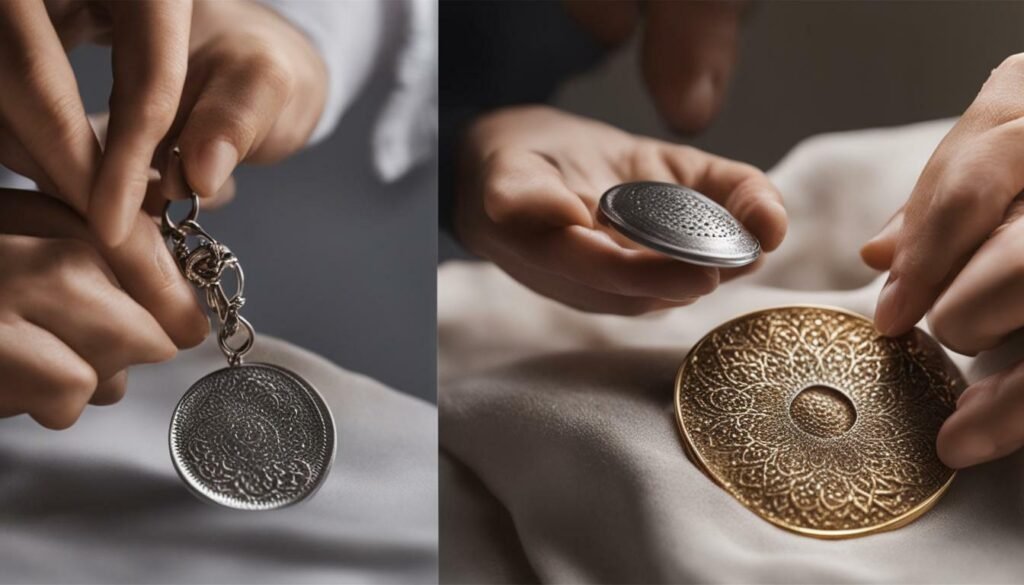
561 461
101 503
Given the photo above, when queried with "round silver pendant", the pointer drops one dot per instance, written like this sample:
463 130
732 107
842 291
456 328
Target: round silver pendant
680 223
252 437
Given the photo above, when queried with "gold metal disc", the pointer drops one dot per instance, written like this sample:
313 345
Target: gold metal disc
817 423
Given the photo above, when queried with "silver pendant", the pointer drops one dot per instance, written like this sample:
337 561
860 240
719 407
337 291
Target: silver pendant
252 437
680 223
248 436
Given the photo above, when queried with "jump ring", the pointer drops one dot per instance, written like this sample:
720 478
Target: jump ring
235 354
168 224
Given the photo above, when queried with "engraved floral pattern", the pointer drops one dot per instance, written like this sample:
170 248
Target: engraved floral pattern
733 402
252 437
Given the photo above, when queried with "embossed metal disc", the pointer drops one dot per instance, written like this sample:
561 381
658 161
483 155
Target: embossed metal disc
679 222
817 423
252 437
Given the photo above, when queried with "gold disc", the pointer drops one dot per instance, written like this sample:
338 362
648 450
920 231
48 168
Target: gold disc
817 423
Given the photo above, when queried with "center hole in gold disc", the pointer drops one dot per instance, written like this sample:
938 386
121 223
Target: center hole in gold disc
822 411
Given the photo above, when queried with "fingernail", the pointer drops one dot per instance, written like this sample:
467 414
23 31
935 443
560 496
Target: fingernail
874 240
172 180
970 449
781 225
779 208
891 228
216 160
969 395
887 311
699 103
112 226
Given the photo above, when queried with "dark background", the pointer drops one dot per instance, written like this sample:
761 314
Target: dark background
335 261
811 67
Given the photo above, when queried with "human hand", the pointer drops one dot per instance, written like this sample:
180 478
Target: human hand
254 90
44 133
954 252
530 179
687 54
74 313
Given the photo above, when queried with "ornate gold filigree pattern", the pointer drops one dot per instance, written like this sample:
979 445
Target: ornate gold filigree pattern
817 423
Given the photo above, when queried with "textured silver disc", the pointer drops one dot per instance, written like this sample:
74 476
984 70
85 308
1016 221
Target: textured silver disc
252 437
679 222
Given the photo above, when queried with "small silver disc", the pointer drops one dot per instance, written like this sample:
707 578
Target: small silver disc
680 223
252 437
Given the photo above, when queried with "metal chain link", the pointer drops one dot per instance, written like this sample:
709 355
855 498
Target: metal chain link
203 265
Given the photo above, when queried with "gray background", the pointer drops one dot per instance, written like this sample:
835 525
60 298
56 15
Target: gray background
811 67
335 261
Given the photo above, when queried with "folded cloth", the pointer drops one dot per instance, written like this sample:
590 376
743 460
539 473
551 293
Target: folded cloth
101 502
561 460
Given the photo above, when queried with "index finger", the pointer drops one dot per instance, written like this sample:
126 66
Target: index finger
949 215
150 57
40 103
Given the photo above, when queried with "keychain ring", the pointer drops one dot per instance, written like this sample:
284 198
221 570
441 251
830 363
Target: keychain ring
170 226
193 214
235 354
239 292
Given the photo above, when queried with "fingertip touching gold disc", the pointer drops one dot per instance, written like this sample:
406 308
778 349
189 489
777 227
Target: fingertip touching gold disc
816 422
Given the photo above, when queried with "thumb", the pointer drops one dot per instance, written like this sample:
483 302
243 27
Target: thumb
689 50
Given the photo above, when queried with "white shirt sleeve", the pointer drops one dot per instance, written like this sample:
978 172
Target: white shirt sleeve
351 36
407 128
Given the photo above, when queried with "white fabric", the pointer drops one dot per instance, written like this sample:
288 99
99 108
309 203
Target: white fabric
101 503
349 35
352 37
407 130
561 460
